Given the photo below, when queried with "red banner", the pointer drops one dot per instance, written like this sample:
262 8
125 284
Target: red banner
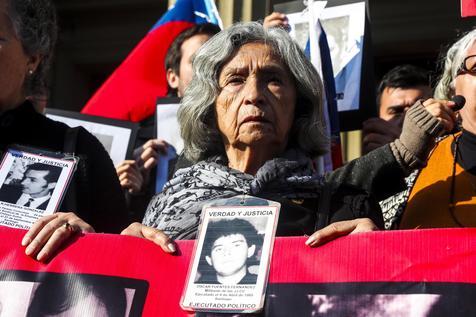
433 269
468 8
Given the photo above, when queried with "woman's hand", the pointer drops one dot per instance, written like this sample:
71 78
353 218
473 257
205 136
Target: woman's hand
130 176
276 19
442 111
139 230
341 228
48 233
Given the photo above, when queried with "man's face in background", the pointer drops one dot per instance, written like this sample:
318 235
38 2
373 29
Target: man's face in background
189 47
394 102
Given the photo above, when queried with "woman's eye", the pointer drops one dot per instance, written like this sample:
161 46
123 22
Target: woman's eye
275 80
236 80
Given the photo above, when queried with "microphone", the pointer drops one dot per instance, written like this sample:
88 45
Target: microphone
459 102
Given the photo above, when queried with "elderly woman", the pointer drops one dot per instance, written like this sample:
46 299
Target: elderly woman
251 120
27 38
448 182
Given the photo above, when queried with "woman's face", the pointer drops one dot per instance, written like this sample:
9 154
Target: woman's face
255 106
14 63
465 85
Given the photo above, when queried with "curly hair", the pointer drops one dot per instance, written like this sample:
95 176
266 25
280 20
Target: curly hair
34 23
452 61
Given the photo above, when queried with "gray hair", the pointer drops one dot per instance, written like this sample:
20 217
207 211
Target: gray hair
445 89
34 23
197 116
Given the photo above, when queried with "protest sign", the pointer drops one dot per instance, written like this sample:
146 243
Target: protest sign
429 271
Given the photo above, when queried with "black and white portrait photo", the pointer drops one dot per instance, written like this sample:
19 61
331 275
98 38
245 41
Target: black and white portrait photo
229 250
32 184
230 263
34 189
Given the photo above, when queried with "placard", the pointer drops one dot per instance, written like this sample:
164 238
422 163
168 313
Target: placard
33 185
352 276
118 137
168 129
230 264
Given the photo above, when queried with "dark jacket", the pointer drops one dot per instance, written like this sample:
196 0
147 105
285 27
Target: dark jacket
95 194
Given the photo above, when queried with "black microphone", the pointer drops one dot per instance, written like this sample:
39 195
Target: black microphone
459 102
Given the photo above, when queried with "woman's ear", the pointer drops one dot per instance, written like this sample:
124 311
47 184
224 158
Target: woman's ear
172 79
33 62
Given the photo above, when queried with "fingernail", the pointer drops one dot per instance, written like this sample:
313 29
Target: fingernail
25 241
29 250
310 240
40 256
171 247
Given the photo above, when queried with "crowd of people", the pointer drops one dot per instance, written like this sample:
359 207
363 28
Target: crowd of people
252 123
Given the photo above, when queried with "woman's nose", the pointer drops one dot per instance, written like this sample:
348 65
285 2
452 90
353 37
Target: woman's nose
253 92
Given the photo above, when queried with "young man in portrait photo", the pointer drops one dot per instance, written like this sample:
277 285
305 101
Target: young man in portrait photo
229 248
35 189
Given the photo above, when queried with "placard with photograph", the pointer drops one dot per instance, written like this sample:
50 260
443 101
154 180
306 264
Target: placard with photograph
168 129
346 26
230 263
117 136
32 185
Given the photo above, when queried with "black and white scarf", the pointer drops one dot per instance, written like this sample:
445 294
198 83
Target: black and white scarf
177 209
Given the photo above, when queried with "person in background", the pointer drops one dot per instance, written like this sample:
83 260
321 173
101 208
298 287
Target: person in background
27 38
137 176
398 90
442 194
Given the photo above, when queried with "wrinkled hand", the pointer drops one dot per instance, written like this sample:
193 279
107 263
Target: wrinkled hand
139 230
130 176
150 153
276 19
341 228
442 110
48 233
378 132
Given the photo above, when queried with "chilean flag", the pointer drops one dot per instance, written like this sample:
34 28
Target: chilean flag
468 8
131 91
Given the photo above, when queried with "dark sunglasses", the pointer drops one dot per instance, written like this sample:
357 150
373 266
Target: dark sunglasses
468 66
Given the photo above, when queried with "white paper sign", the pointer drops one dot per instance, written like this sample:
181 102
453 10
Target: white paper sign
230 264
32 186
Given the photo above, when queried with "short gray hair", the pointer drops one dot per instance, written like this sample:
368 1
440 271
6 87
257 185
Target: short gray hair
34 23
197 112
445 89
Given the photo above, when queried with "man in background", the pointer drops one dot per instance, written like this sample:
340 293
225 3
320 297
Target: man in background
398 90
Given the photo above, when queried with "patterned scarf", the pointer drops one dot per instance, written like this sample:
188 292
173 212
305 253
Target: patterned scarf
177 209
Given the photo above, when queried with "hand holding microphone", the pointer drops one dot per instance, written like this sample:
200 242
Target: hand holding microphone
444 110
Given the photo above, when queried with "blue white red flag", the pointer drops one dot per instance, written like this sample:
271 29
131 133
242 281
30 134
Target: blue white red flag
131 91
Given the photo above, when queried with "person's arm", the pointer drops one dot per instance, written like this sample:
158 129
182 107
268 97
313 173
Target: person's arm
372 172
